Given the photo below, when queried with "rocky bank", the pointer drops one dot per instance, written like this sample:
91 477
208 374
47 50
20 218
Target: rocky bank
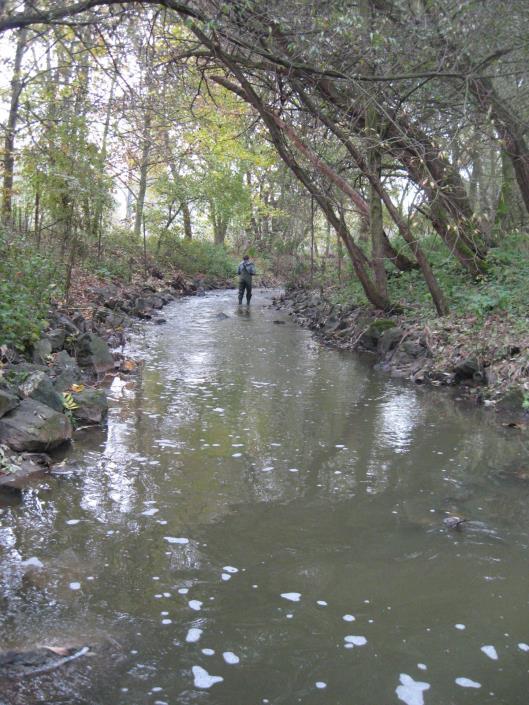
486 361
59 385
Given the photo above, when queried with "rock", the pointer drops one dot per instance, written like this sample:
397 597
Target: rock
42 351
66 371
221 316
8 401
33 426
56 336
155 302
160 321
67 324
38 386
468 369
20 664
413 349
389 339
94 354
369 339
92 406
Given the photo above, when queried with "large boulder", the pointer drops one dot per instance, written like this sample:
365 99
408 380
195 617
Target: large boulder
93 354
34 427
92 406
38 386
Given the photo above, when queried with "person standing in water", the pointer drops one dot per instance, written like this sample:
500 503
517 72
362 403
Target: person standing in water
246 270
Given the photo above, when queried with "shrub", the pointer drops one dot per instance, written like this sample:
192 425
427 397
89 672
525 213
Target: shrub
27 282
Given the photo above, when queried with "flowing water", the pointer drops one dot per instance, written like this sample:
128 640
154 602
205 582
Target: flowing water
262 522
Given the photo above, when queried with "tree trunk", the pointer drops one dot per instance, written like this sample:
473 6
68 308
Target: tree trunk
11 126
376 222
144 172
188 232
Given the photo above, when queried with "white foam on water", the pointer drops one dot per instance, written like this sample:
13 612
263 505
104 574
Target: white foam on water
33 561
348 618
174 539
236 455
293 470
167 621
230 658
202 679
275 445
523 647
422 667
72 522
167 594
320 685
155 577
321 603
411 691
289 616
490 651
74 586
195 605
230 569
355 640
225 576
163 522
150 512
164 613
208 652
460 626
339 445
183 591
467 683
219 409
237 445
193 635
292 596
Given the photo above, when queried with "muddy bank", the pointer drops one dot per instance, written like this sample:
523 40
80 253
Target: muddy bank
485 361
58 386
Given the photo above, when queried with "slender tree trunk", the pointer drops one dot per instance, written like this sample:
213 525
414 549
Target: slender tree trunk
97 221
12 119
144 172
188 231
376 220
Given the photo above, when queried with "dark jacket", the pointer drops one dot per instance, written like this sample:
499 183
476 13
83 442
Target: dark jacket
246 271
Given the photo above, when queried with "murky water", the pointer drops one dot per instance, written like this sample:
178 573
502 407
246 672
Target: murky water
262 523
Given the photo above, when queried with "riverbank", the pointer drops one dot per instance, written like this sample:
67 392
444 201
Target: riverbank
58 385
485 358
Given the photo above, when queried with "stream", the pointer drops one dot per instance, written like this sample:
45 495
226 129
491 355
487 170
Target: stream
262 522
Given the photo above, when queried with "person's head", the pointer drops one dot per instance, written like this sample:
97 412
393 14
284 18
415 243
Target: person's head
246 258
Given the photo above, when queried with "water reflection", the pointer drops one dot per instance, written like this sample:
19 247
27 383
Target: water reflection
247 463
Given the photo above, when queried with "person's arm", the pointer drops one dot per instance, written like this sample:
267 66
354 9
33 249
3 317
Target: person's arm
252 269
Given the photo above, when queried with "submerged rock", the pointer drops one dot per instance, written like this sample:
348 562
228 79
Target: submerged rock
33 426
18 664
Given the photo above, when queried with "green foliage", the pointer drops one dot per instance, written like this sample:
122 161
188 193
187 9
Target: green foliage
198 257
502 289
27 283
